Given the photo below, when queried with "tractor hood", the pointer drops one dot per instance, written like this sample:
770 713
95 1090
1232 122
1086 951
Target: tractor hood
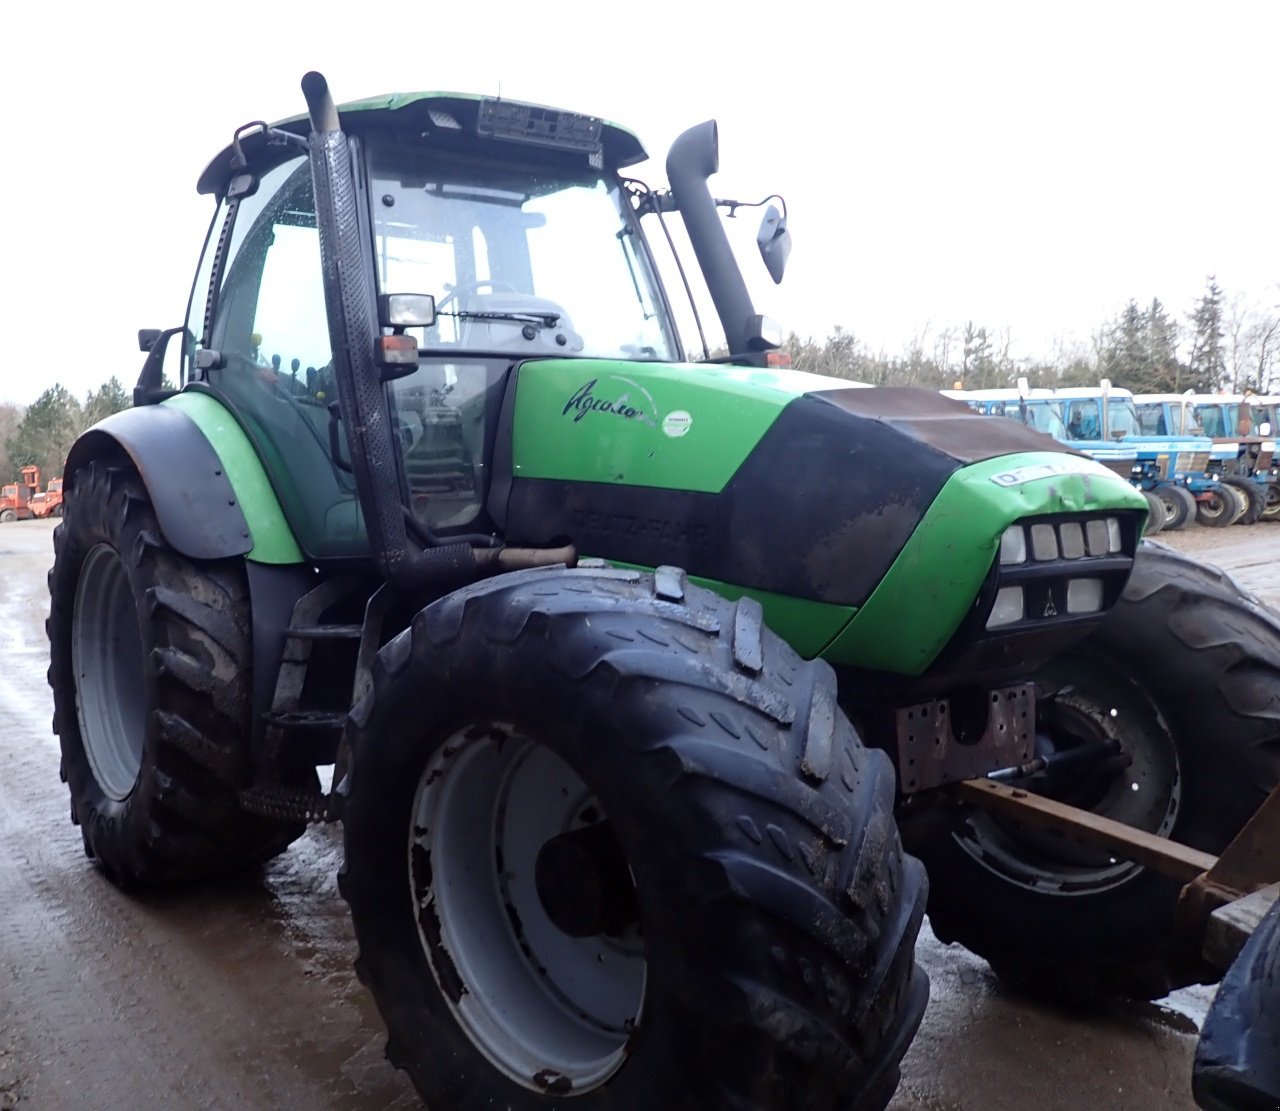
786 484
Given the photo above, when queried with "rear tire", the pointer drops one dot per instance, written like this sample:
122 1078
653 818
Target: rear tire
1218 508
1271 506
1255 499
150 665
766 960
1186 674
1179 505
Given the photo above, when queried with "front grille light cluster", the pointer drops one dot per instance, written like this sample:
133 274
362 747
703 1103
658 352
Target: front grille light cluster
1036 577
1098 536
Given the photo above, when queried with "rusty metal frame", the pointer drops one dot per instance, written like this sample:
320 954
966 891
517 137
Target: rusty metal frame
1248 864
929 755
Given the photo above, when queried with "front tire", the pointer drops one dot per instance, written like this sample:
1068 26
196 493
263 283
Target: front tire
1179 505
1185 674
617 843
1157 516
150 665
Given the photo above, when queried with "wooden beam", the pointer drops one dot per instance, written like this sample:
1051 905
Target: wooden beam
1086 828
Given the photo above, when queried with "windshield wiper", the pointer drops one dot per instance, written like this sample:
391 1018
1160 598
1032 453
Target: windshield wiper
544 319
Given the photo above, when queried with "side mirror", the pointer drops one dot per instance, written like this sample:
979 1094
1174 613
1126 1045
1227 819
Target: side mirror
149 389
774 242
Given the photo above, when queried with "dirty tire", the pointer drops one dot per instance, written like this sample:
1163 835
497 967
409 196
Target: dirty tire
150 665
1157 517
1241 500
7 515
1237 1062
775 914
1218 508
1179 506
1271 508
1192 664
1254 496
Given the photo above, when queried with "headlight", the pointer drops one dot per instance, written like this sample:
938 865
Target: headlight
1058 568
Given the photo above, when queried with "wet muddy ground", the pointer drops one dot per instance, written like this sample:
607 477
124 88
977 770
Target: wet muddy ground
241 995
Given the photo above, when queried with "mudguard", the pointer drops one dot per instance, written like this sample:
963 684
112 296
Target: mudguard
1237 1065
194 500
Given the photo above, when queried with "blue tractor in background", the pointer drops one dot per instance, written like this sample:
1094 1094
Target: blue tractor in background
1242 428
1174 470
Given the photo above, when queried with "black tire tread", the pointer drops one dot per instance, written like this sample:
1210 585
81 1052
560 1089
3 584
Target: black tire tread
793 892
1208 655
1253 494
182 820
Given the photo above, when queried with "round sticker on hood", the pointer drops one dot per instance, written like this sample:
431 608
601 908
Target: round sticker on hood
677 424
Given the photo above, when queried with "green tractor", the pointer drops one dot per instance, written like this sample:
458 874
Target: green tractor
633 673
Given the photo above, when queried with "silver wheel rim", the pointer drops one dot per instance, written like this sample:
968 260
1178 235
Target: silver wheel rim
106 656
552 1012
1147 794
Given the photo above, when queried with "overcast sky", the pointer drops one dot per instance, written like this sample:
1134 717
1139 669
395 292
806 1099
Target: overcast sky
1029 166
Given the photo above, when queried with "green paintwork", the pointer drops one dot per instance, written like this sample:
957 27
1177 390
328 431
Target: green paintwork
921 601
806 625
728 410
273 540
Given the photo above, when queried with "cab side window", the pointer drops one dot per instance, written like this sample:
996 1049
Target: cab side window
270 330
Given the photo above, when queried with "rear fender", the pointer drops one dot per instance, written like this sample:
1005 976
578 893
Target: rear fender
198 491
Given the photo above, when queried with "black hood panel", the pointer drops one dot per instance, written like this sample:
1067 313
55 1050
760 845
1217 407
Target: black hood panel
819 510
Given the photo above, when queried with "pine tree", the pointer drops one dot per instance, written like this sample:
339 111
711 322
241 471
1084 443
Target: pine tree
1164 372
109 398
1124 358
1207 366
47 431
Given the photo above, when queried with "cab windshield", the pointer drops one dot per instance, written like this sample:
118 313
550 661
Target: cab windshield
521 260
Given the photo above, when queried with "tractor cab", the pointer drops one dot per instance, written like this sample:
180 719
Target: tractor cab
490 233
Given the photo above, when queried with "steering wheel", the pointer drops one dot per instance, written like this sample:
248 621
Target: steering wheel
468 288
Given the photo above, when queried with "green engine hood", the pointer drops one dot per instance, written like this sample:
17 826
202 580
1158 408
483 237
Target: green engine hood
842 508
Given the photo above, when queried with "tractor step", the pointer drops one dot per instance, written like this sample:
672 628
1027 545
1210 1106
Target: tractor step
307 719
324 632
290 804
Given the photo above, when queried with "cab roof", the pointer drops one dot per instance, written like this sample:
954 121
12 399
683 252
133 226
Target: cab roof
449 118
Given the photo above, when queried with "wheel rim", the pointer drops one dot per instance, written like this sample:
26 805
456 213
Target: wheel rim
1087 703
551 1011
106 655
1217 506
